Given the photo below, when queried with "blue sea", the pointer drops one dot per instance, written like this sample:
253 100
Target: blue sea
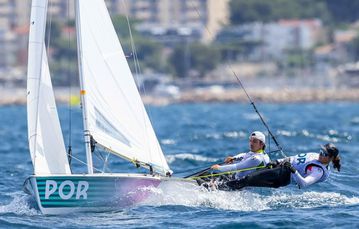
193 137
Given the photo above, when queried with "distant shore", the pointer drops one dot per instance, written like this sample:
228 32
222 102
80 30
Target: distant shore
11 96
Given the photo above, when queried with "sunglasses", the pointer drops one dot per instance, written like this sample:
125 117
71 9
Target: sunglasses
323 153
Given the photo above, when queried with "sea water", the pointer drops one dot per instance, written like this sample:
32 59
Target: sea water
195 136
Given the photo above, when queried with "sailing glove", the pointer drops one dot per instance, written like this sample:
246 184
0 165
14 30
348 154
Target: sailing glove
272 164
289 166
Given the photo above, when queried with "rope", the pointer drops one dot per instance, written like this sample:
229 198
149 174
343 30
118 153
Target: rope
84 163
99 155
225 173
106 162
249 98
69 151
259 114
142 88
50 26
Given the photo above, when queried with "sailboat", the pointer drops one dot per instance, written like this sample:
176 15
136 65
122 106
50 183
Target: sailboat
114 118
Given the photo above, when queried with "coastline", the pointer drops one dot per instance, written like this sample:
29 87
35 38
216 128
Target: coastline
17 96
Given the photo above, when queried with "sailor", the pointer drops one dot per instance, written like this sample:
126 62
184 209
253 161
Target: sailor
251 160
304 169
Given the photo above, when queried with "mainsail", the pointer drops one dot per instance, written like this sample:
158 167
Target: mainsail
46 143
114 113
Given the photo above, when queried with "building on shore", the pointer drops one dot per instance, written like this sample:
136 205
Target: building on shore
273 40
12 14
163 19
168 19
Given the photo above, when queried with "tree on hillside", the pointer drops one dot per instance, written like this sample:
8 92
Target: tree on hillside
243 11
297 58
62 52
121 26
196 56
148 51
343 11
354 46
204 58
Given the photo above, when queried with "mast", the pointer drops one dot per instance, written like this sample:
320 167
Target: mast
87 135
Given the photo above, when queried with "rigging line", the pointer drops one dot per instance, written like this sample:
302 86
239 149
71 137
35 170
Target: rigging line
133 48
225 173
112 76
50 26
199 16
99 155
269 143
206 167
106 162
84 163
249 98
259 114
138 71
134 161
69 151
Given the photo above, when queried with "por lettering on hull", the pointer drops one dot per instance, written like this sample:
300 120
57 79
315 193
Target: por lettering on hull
66 189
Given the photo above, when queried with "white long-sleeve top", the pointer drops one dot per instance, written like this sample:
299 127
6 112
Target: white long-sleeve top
309 169
244 161
313 175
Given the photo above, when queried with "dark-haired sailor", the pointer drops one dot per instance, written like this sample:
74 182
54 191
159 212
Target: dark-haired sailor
304 169
251 160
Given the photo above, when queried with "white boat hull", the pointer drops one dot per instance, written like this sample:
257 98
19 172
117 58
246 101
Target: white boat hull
58 194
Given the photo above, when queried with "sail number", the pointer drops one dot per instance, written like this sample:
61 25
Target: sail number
80 190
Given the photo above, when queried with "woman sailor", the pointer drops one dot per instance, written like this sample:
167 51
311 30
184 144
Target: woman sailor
304 169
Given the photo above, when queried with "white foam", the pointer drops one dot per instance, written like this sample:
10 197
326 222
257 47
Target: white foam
191 195
309 199
188 156
215 136
306 133
286 133
327 138
20 205
168 142
250 116
355 120
235 134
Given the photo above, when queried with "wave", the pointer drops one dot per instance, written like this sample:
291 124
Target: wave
235 134
174 193
191 195
188 156
21 204
168 142
355 120
309 199
222 135
251 116
329 136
